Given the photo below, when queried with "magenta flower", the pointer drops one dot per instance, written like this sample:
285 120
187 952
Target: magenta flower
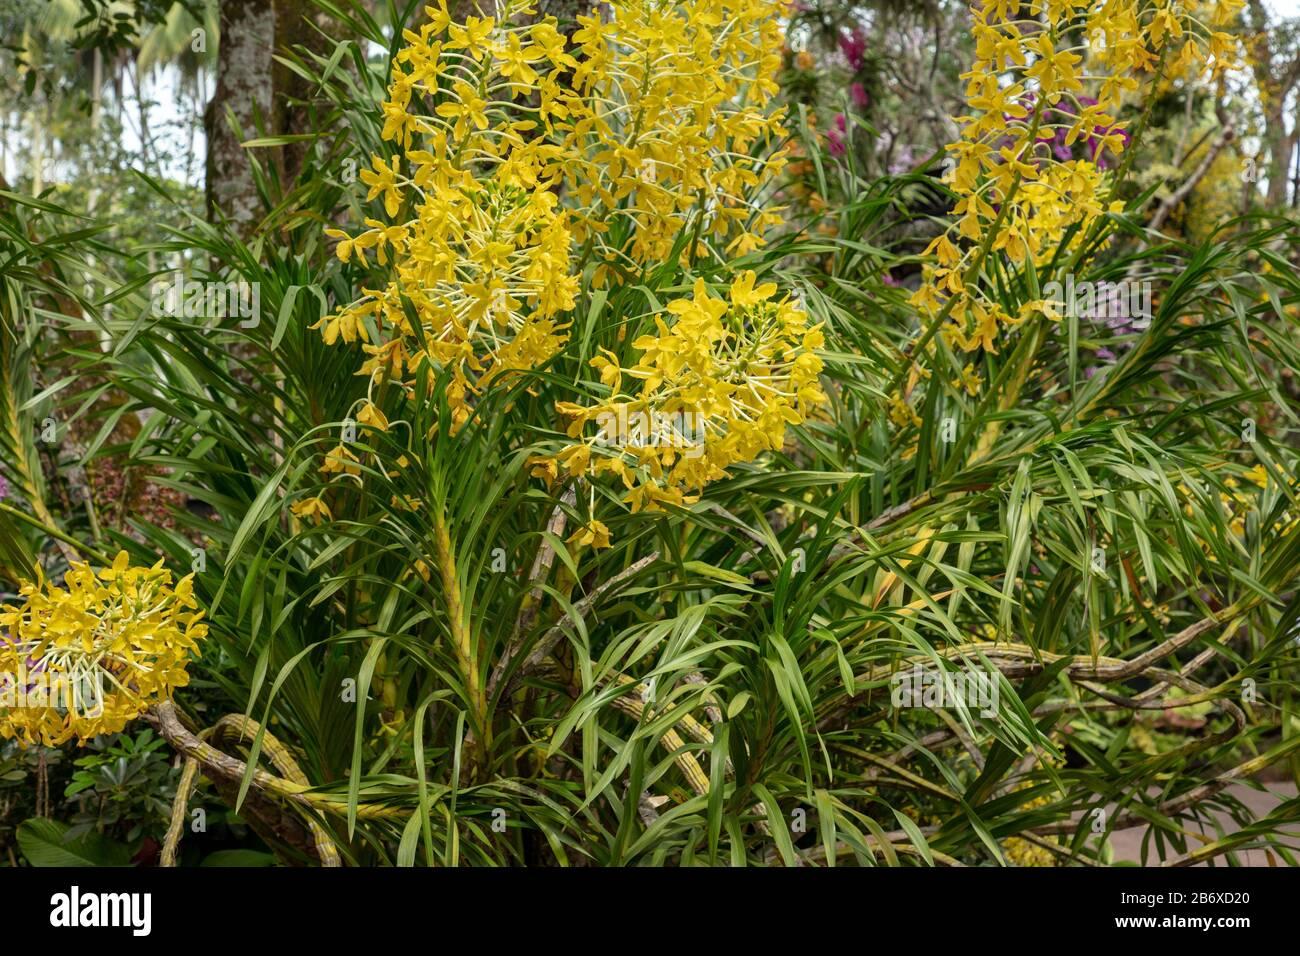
854 47
835 142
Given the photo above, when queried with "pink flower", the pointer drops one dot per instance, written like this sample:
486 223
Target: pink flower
858 94
835 140
854 48
836 136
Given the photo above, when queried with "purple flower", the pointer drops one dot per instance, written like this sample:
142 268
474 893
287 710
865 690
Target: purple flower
858 94
903 163
1095 145
4 488
1060 149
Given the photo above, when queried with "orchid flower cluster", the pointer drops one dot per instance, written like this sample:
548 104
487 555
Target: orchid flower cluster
1020 195
733 371
88 658
526 157
677 105
484 259
517 143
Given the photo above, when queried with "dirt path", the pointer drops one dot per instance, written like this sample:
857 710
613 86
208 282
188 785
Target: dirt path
1127 844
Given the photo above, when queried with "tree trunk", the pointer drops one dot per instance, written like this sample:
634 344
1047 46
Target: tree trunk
1280 146
244 89
298 23
1295 176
